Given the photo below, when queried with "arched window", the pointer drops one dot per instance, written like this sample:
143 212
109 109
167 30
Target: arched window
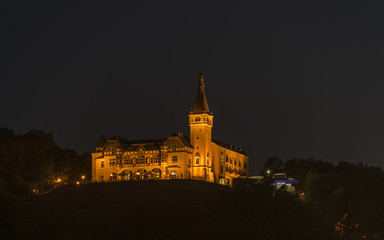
174 159
197 158
126 175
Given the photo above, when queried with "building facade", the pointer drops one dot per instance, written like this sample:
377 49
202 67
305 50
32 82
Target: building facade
197 157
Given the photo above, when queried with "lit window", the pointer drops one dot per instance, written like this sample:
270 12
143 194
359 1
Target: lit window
197 119
174 159
197 158
141 160
112 162
102 164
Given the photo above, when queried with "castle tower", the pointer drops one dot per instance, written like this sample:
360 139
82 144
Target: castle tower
200 124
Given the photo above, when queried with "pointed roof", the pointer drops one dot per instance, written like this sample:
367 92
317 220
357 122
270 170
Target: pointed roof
102 142
201 104
184 139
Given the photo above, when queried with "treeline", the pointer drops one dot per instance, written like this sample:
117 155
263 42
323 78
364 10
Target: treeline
32 163
346 199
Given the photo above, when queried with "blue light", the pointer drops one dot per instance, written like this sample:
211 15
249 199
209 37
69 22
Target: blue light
287 181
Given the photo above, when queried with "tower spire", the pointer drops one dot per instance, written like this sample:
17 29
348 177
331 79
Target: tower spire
201 104
201 84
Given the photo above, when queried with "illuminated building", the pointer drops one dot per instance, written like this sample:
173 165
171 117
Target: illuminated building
177 157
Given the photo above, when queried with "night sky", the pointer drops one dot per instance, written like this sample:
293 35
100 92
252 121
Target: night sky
283 78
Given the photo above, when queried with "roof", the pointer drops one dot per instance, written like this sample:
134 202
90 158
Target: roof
201 104
183 138
149 144
229 146
124 141
147 147
102 141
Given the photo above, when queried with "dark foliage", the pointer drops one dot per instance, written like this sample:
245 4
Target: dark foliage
347 199
31 163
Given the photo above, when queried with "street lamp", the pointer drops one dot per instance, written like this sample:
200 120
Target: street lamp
83 177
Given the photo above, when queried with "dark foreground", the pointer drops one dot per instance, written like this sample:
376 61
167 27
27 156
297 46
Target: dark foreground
160 210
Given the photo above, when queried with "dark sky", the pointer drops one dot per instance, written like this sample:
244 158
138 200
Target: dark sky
283 78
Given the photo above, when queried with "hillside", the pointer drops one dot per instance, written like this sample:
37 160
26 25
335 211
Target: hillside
142 209
174 209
